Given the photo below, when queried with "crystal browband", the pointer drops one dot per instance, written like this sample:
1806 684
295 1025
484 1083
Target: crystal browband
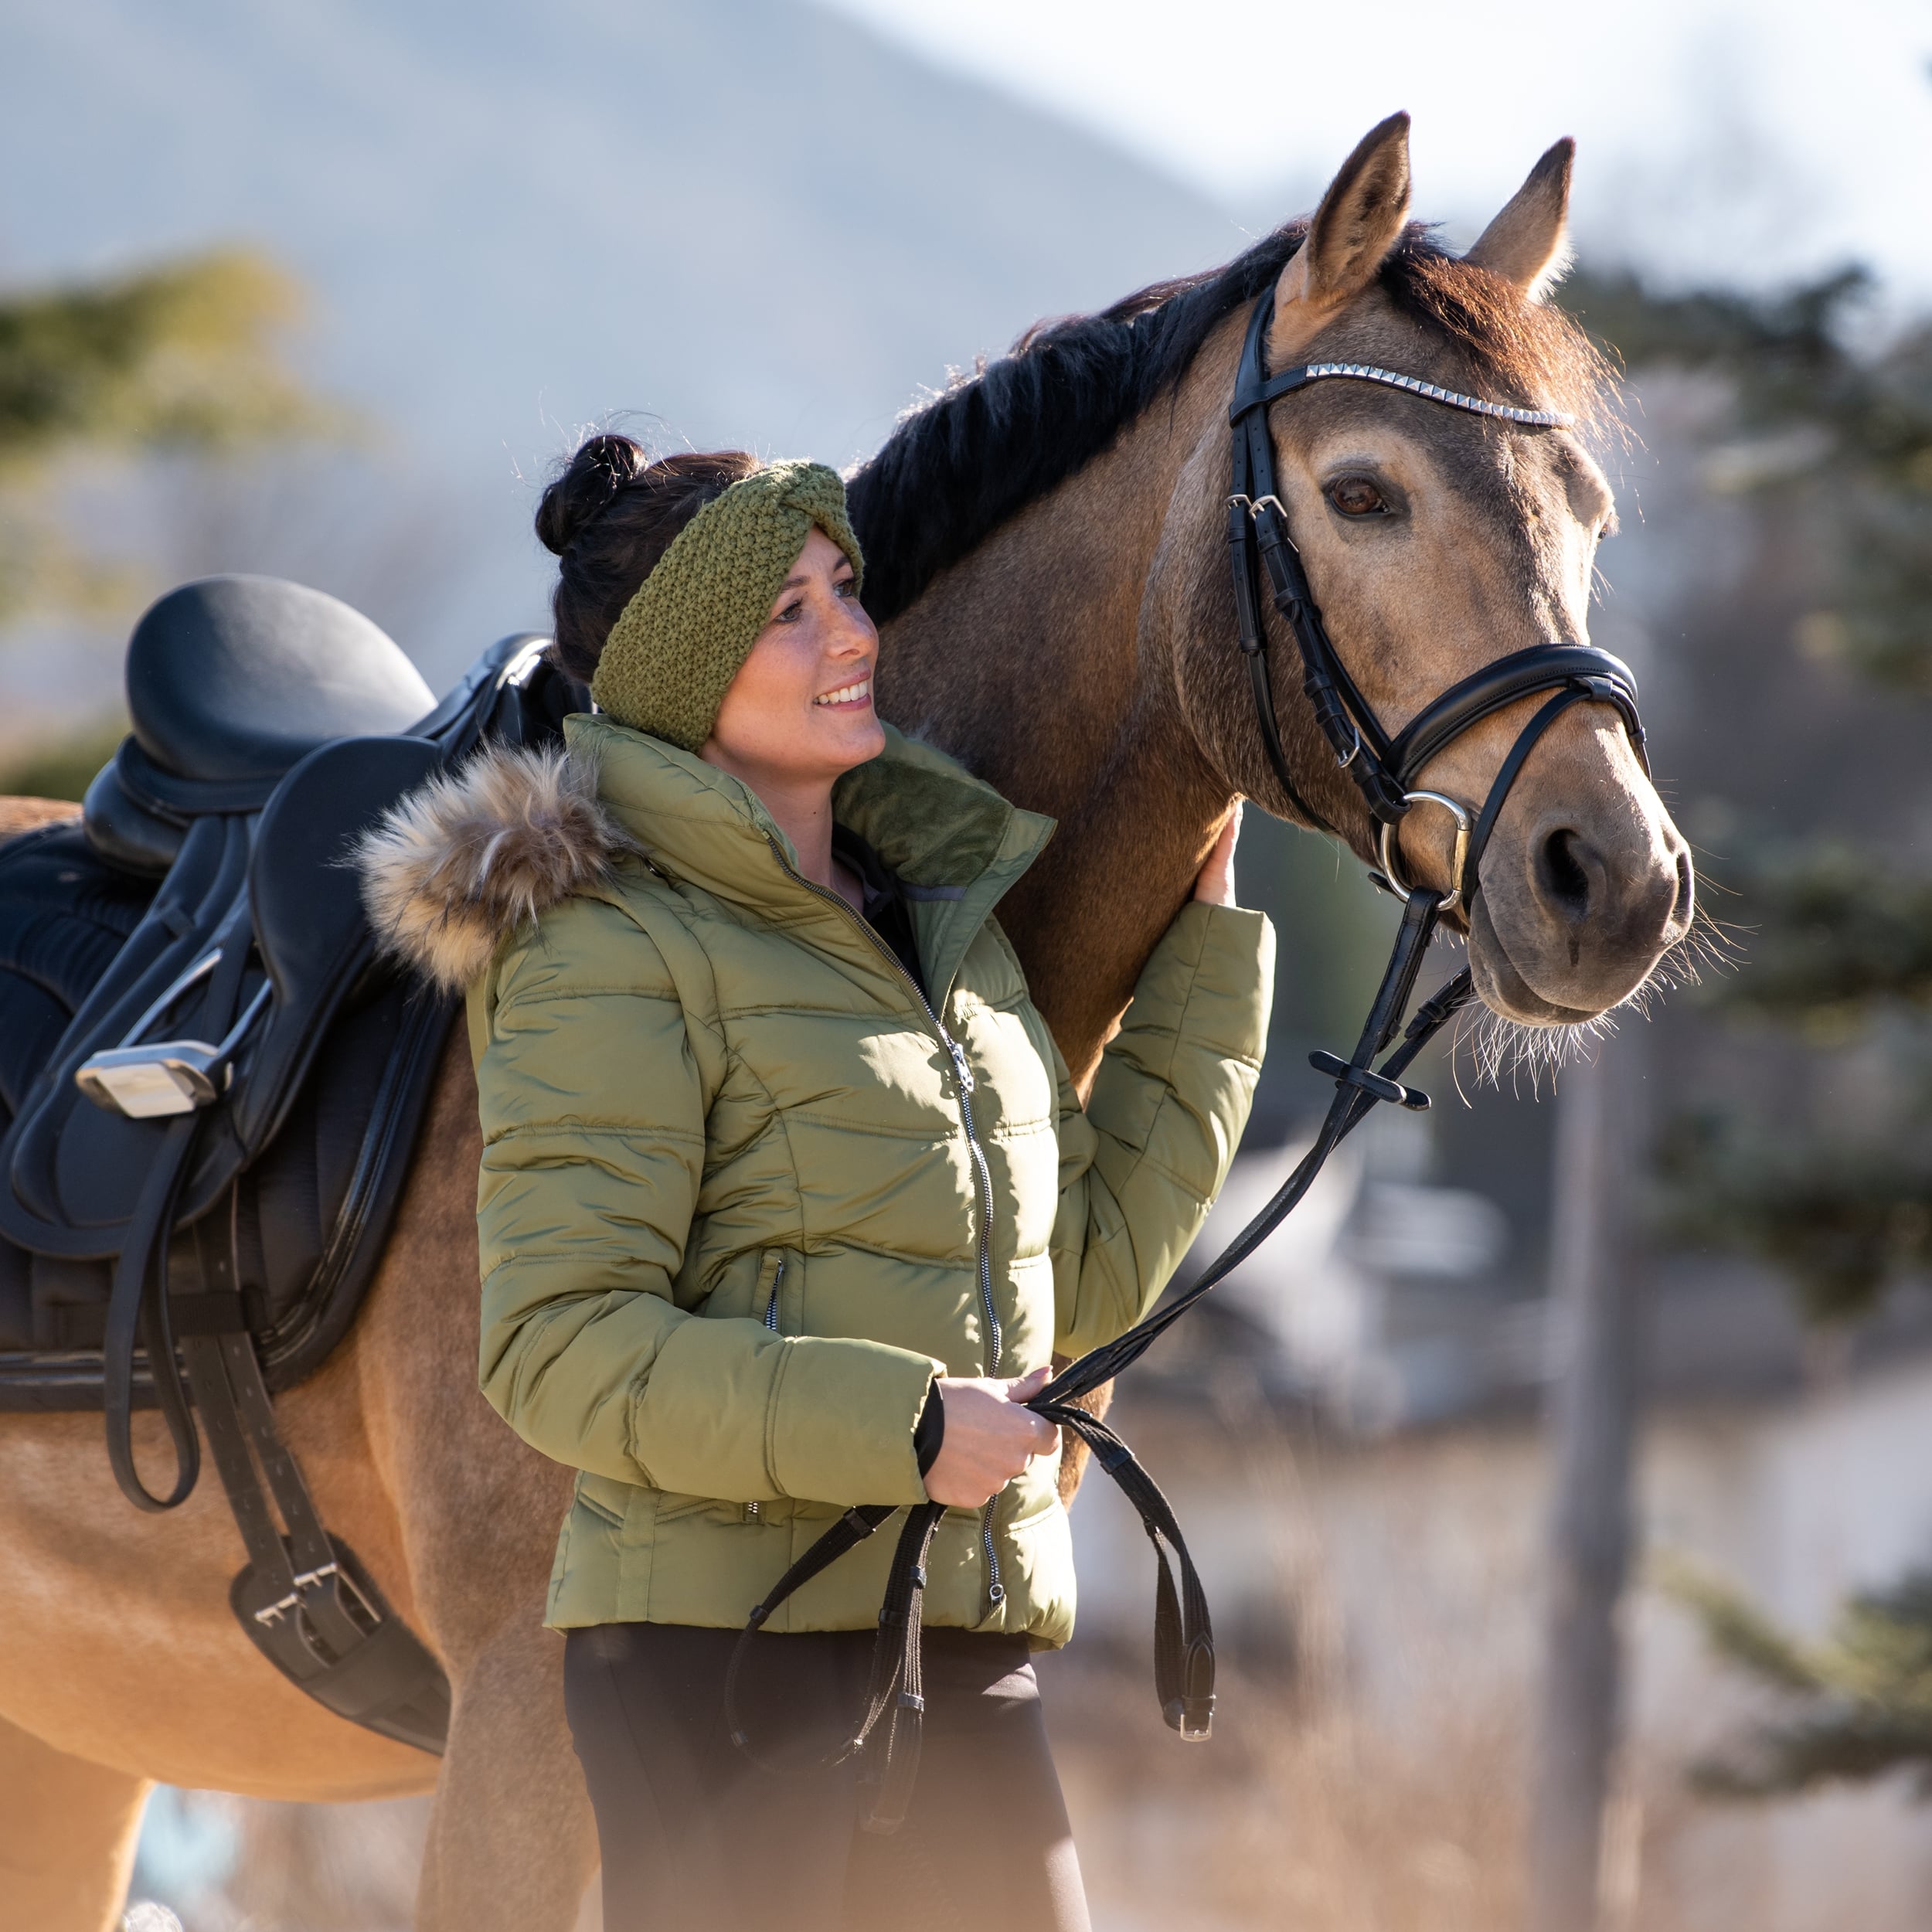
1295 378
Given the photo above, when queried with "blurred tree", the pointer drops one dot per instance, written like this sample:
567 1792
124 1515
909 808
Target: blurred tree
1860 1703
1811 412
1840 938
65 768
1840 946
182 359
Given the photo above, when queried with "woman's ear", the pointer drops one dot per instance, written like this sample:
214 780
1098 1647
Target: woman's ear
1360 219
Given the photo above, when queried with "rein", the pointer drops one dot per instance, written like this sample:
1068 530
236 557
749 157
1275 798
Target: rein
1385 769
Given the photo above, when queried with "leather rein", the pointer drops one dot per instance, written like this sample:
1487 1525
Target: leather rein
1385 769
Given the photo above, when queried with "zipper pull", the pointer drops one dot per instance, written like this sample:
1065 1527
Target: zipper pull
960 1067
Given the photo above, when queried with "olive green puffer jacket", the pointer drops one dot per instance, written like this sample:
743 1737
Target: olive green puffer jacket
737 1176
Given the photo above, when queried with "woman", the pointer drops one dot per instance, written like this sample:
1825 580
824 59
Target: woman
787 1198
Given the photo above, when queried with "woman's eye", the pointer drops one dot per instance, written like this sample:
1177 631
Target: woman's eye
790 614
1357 496
846 587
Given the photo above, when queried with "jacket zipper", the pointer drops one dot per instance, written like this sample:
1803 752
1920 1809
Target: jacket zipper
963 1079
995 1589
771 1322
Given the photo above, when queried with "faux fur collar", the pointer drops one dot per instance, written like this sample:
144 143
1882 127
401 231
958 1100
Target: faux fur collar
463 862
467 858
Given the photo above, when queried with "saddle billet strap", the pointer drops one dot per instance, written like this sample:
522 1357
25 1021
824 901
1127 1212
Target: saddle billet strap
304 1598
138 1311
137 1306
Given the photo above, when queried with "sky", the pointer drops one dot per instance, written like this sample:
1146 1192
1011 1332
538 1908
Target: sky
1758 142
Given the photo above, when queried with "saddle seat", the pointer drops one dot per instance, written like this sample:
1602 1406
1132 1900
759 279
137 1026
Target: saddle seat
231 681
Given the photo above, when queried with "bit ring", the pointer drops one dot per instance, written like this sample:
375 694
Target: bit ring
1385 848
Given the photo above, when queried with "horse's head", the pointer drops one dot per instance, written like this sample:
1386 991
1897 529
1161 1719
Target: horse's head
1436 540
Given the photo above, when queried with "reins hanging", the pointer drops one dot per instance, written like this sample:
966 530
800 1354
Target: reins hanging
1385 769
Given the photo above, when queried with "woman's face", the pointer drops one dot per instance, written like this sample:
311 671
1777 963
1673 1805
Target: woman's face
800 711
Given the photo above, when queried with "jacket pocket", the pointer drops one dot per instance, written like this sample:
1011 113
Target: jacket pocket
674 1508
767 1300
767 1304
609 1501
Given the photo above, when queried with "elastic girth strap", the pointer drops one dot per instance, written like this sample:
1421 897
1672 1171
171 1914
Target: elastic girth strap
304 1599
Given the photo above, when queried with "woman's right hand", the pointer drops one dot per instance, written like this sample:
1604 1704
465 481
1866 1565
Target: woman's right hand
990 1438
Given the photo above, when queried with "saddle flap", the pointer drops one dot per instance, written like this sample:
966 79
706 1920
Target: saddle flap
310 928
302 882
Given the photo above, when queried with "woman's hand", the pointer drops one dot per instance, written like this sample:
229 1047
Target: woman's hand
1216 885
989 1438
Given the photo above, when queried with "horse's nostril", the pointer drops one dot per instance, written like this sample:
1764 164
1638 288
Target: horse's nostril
1680 911
1562 879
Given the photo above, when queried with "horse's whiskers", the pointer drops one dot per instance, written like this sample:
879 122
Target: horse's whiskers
1498 1045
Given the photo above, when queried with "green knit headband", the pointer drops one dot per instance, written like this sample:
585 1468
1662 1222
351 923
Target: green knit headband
673 652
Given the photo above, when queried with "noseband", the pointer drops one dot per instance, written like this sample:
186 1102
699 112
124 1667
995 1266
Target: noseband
1385 769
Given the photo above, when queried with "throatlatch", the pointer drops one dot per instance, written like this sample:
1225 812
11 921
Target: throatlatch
1385 769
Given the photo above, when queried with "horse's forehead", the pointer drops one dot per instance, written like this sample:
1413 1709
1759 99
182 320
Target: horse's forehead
1490 460
1371 328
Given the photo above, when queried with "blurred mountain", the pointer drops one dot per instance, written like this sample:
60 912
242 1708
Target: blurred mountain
748 221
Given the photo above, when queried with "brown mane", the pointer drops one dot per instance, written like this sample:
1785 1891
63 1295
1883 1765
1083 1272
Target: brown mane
1005 434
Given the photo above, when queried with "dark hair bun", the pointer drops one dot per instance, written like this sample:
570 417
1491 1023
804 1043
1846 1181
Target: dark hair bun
609 517
601 468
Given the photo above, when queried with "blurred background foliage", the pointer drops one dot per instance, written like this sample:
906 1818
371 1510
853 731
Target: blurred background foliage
184 359
1858 1706
1826 425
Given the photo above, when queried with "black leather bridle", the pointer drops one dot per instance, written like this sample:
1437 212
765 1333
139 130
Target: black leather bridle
1385 769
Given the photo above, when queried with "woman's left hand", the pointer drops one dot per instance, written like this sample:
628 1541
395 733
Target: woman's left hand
1216 885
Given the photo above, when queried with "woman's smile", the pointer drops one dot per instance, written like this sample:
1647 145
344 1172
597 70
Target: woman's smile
847 697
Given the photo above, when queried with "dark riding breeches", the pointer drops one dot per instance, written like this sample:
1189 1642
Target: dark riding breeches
693 1833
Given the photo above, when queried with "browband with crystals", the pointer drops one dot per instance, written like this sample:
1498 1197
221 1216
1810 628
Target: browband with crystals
1295 378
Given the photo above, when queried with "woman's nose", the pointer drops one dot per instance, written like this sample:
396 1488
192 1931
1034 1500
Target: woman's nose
854 632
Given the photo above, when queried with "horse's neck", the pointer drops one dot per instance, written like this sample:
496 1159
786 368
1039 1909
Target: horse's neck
1027 661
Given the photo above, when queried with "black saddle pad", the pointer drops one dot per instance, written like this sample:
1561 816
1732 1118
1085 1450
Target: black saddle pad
302 1224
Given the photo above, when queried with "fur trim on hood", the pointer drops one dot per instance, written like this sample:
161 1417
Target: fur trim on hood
463 861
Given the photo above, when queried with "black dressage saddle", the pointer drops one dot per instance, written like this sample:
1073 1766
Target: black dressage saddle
212 1087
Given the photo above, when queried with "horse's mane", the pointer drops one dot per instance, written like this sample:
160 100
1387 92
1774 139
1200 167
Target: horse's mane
1004 434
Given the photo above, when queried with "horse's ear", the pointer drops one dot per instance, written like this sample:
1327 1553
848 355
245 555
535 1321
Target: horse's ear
1359 220
1529 243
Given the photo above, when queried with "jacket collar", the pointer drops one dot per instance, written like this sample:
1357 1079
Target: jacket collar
957 845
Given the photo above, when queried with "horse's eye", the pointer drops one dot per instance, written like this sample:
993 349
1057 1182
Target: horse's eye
1357 496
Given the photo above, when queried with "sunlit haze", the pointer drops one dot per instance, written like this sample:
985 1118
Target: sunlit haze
1761 141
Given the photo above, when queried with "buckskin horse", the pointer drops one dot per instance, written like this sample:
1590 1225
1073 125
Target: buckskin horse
1047 543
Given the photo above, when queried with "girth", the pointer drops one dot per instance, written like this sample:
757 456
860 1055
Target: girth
1386 768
